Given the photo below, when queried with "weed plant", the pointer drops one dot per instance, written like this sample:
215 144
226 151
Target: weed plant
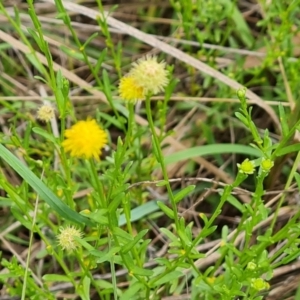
128 174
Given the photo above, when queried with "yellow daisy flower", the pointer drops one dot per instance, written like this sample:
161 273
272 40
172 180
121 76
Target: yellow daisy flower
129 90
85 139
150 74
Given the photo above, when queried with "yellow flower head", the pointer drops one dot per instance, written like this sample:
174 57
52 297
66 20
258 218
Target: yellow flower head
45 113
129 90
66 238
266 164
85 139
149 74
247 167
259 284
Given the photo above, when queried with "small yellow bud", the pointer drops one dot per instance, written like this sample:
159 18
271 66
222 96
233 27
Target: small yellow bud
241 93
246 167
251 266
259 284
211 280
49 249
267 164
222 243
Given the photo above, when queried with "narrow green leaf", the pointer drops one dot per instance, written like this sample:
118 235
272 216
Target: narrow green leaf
122 234
168 278
155 150
242 118
99 216
183 193
162 183
169 234
236 203
297 177
169 212
107 257
45 193
140 212
89 39
132 291
9 276
37 64
56 278
113 205
44 134
106 84
83 290
288 149
110 119
36 38
211 150
184 237
83 243
20 217
100 60
283 121
141 271
241 27
208 231
72 53
40 78
136 239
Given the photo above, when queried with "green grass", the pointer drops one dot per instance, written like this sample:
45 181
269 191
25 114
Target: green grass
195 194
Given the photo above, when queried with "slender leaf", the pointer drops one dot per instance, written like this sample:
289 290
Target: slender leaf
168 277
211 150
136 239
183 193
288 149
169 212
45 193
56 278
283 121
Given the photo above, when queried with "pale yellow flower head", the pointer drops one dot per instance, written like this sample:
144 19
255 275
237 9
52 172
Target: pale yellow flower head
45 113
85 139
150 74
259 284
246 167
267 164
66 238
129 90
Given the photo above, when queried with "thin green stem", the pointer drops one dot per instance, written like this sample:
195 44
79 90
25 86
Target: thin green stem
98 183
29 248
112 269
161 160
286 187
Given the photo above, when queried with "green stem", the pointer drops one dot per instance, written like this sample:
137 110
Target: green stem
286 187
112 269
161 160
256 201
98 187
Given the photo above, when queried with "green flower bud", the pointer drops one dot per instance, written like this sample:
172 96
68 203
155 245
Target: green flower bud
246 167
266 164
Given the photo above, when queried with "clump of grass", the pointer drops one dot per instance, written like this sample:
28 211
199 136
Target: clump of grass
91 188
